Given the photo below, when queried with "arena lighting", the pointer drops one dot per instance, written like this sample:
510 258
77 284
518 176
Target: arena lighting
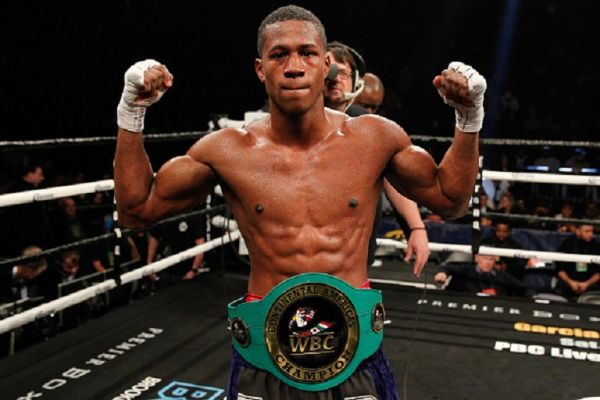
583 170
545 168
539 168
507 28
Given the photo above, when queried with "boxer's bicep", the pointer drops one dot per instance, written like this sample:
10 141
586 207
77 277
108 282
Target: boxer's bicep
414 173
180 185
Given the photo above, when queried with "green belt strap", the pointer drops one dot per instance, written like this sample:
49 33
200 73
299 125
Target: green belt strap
255 326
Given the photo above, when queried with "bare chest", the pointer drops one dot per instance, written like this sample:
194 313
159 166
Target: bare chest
319 185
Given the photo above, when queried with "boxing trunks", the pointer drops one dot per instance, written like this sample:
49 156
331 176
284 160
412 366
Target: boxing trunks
313 336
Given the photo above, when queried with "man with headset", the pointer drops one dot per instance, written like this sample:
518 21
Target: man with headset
343 86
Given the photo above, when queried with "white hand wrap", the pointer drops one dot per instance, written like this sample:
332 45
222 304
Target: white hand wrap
468 119
131 110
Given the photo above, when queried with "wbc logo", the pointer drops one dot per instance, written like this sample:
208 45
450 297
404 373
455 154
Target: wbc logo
312 332
305 340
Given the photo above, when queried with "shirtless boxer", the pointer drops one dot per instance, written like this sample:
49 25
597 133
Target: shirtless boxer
343 88
302 184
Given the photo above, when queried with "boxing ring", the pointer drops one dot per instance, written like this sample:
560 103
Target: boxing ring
175 344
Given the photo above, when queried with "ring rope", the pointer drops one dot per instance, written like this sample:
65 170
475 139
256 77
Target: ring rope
97 140
542 178
161 137
537 218
54 250
56 192
510 142
84 242
497 251
54 306
166 262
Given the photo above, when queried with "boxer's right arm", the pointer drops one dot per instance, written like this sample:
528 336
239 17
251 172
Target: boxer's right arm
181 184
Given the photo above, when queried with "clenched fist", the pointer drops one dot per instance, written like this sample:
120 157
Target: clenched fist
145 83
463 88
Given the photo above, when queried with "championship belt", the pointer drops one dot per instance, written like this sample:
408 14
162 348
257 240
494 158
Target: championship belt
311 331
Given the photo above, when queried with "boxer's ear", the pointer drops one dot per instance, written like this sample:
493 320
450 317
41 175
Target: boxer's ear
259 70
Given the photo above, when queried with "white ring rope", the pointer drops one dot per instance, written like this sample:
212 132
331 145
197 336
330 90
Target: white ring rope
176 258
542 178
56 192
497 251
52 307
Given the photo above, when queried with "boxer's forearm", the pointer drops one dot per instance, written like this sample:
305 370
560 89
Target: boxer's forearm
458 170
133 173
463 88
144 84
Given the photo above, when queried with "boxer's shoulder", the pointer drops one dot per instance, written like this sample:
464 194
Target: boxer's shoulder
370 127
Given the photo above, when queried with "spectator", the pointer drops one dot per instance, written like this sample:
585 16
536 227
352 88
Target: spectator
66 270
591 210
507 205
20 282
502 238
575 278
483 201
541 208
503 186
171 238
372 95
578 160
72 228
566 212
28 224
548 160
479 277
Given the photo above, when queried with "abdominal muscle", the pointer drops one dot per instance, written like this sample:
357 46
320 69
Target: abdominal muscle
338 251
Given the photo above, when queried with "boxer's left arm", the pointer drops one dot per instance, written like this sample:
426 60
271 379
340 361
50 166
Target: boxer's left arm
180 184
447 188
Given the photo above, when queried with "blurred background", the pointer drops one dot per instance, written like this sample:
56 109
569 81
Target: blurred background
62 62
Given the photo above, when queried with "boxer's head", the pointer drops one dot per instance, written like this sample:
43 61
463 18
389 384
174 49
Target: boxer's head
292 64
289 13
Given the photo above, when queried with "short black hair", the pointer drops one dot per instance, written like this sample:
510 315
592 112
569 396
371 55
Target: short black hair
289 13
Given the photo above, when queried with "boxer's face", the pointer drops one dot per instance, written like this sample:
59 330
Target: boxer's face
292 66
